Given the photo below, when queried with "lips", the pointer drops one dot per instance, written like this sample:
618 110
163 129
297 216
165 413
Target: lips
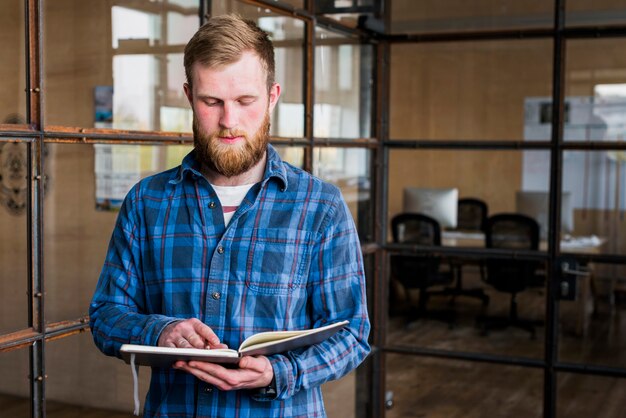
230 139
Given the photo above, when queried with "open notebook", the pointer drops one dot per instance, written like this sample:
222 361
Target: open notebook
263 343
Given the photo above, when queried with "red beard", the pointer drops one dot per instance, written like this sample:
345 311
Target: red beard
230 160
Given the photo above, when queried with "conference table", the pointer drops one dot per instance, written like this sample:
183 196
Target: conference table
569 244
580 244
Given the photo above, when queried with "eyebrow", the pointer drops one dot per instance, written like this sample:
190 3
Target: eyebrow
243 96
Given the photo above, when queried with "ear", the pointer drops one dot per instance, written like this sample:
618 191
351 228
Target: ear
273 96
189 93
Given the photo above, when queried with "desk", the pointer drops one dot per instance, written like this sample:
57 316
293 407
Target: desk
579 245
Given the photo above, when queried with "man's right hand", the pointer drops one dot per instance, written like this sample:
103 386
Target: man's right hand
189 333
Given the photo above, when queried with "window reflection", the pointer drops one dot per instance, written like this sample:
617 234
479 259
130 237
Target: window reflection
349 169
12 70
291 155
342 87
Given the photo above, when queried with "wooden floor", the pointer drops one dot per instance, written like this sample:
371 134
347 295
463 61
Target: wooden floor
441 388
438 388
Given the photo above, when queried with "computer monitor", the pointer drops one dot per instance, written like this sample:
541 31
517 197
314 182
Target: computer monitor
440 204
535 204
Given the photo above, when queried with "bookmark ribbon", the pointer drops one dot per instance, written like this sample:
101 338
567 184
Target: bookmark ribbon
135 370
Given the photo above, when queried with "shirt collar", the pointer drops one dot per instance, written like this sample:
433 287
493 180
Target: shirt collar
274 167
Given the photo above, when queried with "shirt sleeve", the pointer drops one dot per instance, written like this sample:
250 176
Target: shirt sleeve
117 309
337 292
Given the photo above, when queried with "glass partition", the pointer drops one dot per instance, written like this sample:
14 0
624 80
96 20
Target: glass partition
89 185
590 317
595 90
349 169
468 90
594 202
426 386
72 363
14 385
290 154
497 182
466 300
12 70
343 88
434 16
14 279
117 66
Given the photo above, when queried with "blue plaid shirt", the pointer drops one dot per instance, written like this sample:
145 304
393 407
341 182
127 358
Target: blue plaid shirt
289 259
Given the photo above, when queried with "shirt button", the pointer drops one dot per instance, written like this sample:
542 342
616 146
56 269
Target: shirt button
220 249
216 295
208 389
212 205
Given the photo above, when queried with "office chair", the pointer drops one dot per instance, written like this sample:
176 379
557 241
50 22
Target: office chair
471 214
515 232
420 271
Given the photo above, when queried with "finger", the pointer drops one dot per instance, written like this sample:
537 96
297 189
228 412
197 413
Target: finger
195 340
183 343
211 374
252 363
207 333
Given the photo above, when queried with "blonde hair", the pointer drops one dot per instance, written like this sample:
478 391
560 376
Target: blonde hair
222 40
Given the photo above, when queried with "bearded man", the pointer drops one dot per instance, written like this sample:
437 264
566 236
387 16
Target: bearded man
233 242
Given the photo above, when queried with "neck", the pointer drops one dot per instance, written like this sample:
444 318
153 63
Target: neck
253 175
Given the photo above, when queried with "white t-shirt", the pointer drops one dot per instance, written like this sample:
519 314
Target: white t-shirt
230 198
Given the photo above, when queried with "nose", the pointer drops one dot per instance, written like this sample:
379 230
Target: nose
229 117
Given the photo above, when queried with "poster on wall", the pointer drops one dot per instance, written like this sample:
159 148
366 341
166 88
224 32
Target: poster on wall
592 178
103 106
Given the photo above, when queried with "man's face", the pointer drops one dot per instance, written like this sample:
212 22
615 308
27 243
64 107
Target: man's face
231 107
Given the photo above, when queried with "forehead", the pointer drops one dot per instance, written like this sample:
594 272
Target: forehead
245 73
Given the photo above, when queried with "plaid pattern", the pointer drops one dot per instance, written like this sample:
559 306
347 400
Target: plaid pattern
289 259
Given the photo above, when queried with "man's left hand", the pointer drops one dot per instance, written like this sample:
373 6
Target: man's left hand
253 372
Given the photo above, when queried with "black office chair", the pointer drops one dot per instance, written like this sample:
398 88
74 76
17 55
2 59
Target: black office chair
420 271
471 214
515 232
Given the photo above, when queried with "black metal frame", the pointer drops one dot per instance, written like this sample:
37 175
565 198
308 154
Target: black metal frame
372 374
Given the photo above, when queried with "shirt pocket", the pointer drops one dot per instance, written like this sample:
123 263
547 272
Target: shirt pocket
278 261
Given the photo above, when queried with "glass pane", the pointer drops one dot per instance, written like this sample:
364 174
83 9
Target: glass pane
14 242
424 387
349 169
12 70
595 90
14 385
592 330
291 155
340 396
466 175
408 16
582 396
594 13
343 86
75 366
593 202
287 35
133 81
468 90
90 183
460 299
